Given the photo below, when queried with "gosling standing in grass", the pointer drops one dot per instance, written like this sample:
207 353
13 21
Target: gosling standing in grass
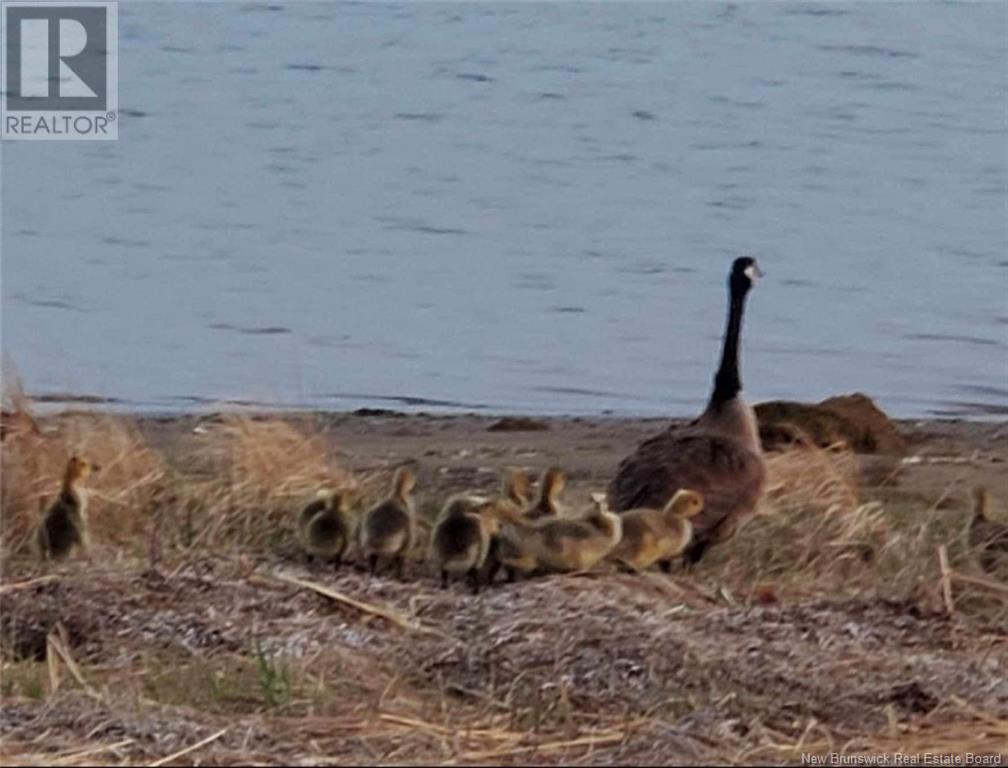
64 524
326 526
657 535
565 544
988 538
388 528
461 538
505 550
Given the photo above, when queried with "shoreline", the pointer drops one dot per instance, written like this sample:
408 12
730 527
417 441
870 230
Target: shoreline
407 405
942 460
88 404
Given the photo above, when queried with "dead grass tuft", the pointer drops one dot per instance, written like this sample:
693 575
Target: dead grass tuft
815 534
121 493
251 476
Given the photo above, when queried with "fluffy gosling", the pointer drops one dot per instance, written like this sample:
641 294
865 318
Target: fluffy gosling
65 524
565 544
516 488
551 485
506 550
657 535
327 525
461 538
988 538
388 528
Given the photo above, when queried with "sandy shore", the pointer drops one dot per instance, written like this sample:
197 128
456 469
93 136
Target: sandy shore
943 461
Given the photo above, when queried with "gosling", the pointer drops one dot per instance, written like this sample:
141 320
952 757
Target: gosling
516 488
551 485
506 551
563 545
65 524
326 526
657 535
988 538
461 538
388 528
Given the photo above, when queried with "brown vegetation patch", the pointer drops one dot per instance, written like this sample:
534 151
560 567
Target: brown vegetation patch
851 419
518 424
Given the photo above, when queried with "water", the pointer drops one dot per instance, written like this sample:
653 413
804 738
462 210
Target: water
524 208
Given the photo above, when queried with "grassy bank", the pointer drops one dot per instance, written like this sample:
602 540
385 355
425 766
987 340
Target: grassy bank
831 622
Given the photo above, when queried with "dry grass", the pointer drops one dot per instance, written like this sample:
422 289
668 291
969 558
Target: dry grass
122 492
814 534
236 488
245 477
821 627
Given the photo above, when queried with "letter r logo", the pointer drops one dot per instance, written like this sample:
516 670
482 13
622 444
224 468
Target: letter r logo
56 57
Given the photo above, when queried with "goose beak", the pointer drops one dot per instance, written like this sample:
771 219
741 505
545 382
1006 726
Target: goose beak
753 271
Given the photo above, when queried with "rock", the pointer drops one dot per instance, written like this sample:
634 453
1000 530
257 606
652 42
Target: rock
518 424
852 419
379 412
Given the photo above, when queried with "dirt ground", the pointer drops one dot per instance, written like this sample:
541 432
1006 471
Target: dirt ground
220 657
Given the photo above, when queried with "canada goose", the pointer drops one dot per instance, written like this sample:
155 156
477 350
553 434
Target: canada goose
565 544
460 540
65 523
988 538
718 454
388 528
327 526
657 535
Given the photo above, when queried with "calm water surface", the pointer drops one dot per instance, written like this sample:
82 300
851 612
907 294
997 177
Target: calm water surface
524 208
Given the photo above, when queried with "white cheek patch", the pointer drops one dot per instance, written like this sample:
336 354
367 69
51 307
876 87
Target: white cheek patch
752 272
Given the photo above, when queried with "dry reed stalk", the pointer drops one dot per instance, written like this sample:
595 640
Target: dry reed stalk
69 758
58 646
7 588
946 579
590 741
389 614
188 750
976 581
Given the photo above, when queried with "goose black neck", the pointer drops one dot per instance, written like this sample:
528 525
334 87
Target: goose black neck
727 383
